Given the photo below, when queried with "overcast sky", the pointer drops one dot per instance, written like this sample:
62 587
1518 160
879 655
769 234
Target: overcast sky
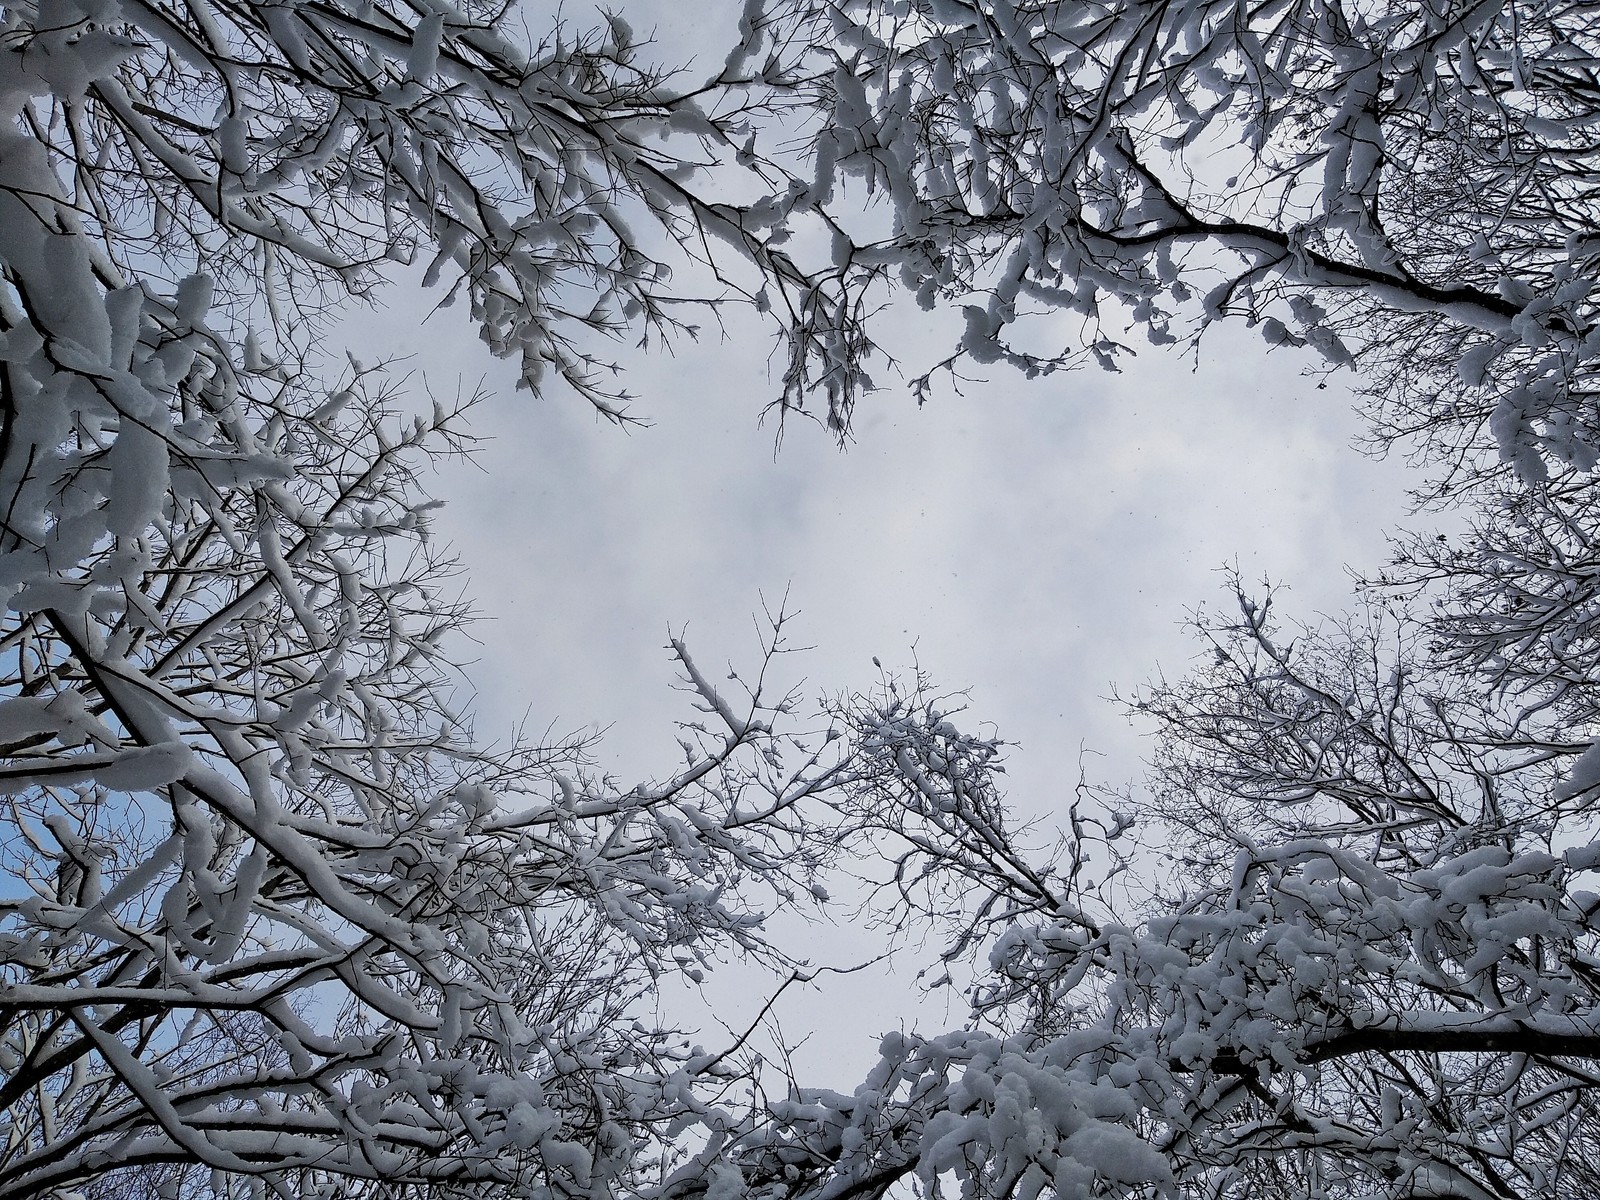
1036 542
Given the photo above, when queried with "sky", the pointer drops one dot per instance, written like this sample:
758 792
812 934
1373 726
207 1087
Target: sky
1037 543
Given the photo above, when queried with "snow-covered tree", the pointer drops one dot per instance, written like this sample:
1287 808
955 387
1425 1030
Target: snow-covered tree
1408 187
269 912
1343 941
271 921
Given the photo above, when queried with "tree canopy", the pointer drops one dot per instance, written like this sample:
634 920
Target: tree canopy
273 922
